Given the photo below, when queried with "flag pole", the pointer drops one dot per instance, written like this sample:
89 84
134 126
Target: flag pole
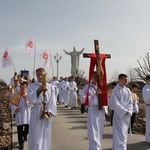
34 59
51 63
13 65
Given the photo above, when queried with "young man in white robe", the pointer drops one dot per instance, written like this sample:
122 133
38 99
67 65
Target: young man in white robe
73 94
55 83
146 97
66 92
95 117
61 91
21 108
121 101
41 128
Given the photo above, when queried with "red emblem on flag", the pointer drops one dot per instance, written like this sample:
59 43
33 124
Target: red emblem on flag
45 56
30 44
5 55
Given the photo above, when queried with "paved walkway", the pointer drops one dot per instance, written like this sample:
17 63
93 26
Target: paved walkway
69 133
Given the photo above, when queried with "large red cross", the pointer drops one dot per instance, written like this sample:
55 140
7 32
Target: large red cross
98 60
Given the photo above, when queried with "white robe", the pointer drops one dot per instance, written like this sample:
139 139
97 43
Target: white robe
73 94
95 119
55 83
66 93
146 97
81 96
22 117
135 103
40 129
61 92
17 89
121 104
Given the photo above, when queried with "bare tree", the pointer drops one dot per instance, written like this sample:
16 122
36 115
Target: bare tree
114 76
131 73
144 68
81 79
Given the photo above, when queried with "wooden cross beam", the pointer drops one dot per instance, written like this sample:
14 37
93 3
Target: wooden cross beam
98 69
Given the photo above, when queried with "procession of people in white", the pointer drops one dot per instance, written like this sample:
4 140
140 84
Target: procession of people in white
65 93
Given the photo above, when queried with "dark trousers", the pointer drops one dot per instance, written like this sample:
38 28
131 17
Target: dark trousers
82 108
132 120
111 119
22 133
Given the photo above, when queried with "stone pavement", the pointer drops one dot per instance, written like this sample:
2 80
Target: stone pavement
69 133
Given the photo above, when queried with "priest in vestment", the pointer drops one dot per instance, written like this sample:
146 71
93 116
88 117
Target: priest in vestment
41 128
121 101
146 97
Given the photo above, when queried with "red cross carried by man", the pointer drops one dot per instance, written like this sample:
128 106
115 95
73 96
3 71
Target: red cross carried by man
98 60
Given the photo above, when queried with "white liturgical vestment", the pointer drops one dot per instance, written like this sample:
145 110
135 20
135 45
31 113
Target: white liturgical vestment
22 117
40 129
95 119
122 105
73 94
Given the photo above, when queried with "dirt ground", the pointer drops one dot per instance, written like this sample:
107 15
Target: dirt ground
5 121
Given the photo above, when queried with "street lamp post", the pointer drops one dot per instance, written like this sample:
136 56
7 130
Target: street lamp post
57 58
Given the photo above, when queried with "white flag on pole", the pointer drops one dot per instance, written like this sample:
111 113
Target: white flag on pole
45 57
30 46
6 59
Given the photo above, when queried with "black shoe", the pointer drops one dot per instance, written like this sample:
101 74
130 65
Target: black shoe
133 132
21 147
66 106
75 108
71 108
25 138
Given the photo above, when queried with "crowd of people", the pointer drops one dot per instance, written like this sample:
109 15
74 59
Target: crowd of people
26 99
26 102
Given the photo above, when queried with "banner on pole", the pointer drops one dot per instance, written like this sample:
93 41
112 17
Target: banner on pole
6 59
30 46
45 57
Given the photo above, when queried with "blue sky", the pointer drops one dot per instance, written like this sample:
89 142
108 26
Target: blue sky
121 26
